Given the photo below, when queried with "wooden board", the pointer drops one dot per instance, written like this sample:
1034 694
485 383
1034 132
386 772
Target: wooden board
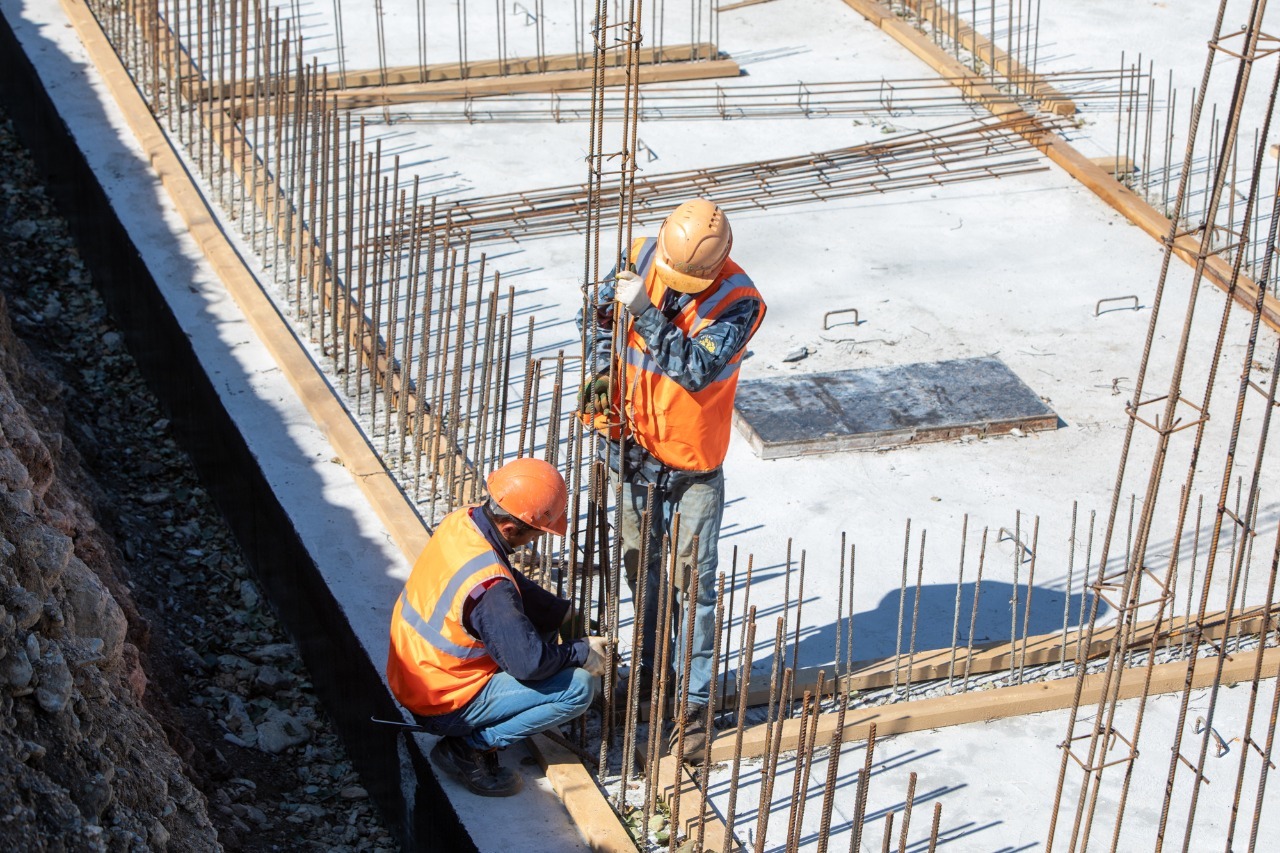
1039 650
980 46
551 81
1244 290
944 711
584 801
688 793
406 74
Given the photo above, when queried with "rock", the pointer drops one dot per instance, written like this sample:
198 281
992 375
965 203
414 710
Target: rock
45 547
95 796
135 675
29 750
157 835
274 653
92 612
797 354
279 731
56 683
269 680
249 595
237 716
25 607
16 669
307 811
353 792
23 229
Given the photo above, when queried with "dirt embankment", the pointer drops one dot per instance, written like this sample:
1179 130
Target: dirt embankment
149 700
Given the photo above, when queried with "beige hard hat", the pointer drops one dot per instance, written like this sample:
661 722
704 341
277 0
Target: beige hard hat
693 245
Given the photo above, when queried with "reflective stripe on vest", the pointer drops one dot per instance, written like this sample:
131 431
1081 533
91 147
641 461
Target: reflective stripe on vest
684 429
435 665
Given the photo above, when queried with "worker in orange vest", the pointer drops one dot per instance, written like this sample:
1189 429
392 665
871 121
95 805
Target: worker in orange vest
690 311
474 652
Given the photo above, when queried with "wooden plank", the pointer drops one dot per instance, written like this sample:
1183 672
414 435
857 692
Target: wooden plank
980 46
584 801
1016 701
1038 650
441 72
690 796
552 81
1121 198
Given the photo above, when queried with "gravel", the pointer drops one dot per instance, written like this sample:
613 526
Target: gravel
217 671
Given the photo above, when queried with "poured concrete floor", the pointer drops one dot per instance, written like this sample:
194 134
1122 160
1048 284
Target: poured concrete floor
1011 269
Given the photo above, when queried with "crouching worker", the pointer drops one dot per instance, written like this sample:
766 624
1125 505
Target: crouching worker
474 650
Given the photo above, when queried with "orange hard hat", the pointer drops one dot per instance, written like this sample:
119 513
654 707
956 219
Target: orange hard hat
532 491
693 245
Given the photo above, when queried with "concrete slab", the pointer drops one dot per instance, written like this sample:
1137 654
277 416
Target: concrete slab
1012 268
878 407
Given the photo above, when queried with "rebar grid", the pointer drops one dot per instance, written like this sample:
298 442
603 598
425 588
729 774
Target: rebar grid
386 285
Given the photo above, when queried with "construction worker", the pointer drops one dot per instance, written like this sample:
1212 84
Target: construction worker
473 641
690 311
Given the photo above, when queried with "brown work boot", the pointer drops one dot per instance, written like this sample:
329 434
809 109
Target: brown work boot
695 735
479 771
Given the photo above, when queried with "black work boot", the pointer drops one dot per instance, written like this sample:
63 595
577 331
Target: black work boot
695 735
622 685
478 771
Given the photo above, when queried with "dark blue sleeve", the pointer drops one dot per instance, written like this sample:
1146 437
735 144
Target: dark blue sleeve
545 609
694 363
498 620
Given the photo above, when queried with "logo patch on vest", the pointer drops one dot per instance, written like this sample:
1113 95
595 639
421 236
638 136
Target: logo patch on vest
709 345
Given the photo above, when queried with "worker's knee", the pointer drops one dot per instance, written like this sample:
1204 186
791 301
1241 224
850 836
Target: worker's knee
581 690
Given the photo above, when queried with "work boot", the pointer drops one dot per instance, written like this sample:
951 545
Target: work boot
621 686
695 735
479 771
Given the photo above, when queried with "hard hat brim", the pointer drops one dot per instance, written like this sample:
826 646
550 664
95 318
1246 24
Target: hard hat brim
682 282
557 527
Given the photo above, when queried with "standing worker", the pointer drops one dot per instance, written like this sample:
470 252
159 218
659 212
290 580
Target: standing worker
691 311
473 651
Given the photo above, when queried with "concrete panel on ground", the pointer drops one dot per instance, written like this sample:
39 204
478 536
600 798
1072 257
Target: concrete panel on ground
886 406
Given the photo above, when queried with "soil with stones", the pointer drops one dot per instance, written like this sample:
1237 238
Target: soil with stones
148 697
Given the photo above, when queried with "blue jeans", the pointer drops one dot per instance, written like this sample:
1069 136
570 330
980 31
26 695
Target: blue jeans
506 710
699 498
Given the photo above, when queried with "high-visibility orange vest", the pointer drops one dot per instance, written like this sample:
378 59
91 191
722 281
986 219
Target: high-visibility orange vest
435 666
684 429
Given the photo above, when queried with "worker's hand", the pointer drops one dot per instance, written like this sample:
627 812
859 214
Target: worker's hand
595 395
598 658
628 291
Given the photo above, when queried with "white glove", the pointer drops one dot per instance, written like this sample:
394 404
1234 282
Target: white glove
628 291
597 658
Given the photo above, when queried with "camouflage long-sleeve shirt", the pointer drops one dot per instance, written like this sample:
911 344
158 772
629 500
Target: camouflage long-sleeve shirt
691 362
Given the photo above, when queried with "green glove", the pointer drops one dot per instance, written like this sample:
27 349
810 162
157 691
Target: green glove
575 627
595 395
